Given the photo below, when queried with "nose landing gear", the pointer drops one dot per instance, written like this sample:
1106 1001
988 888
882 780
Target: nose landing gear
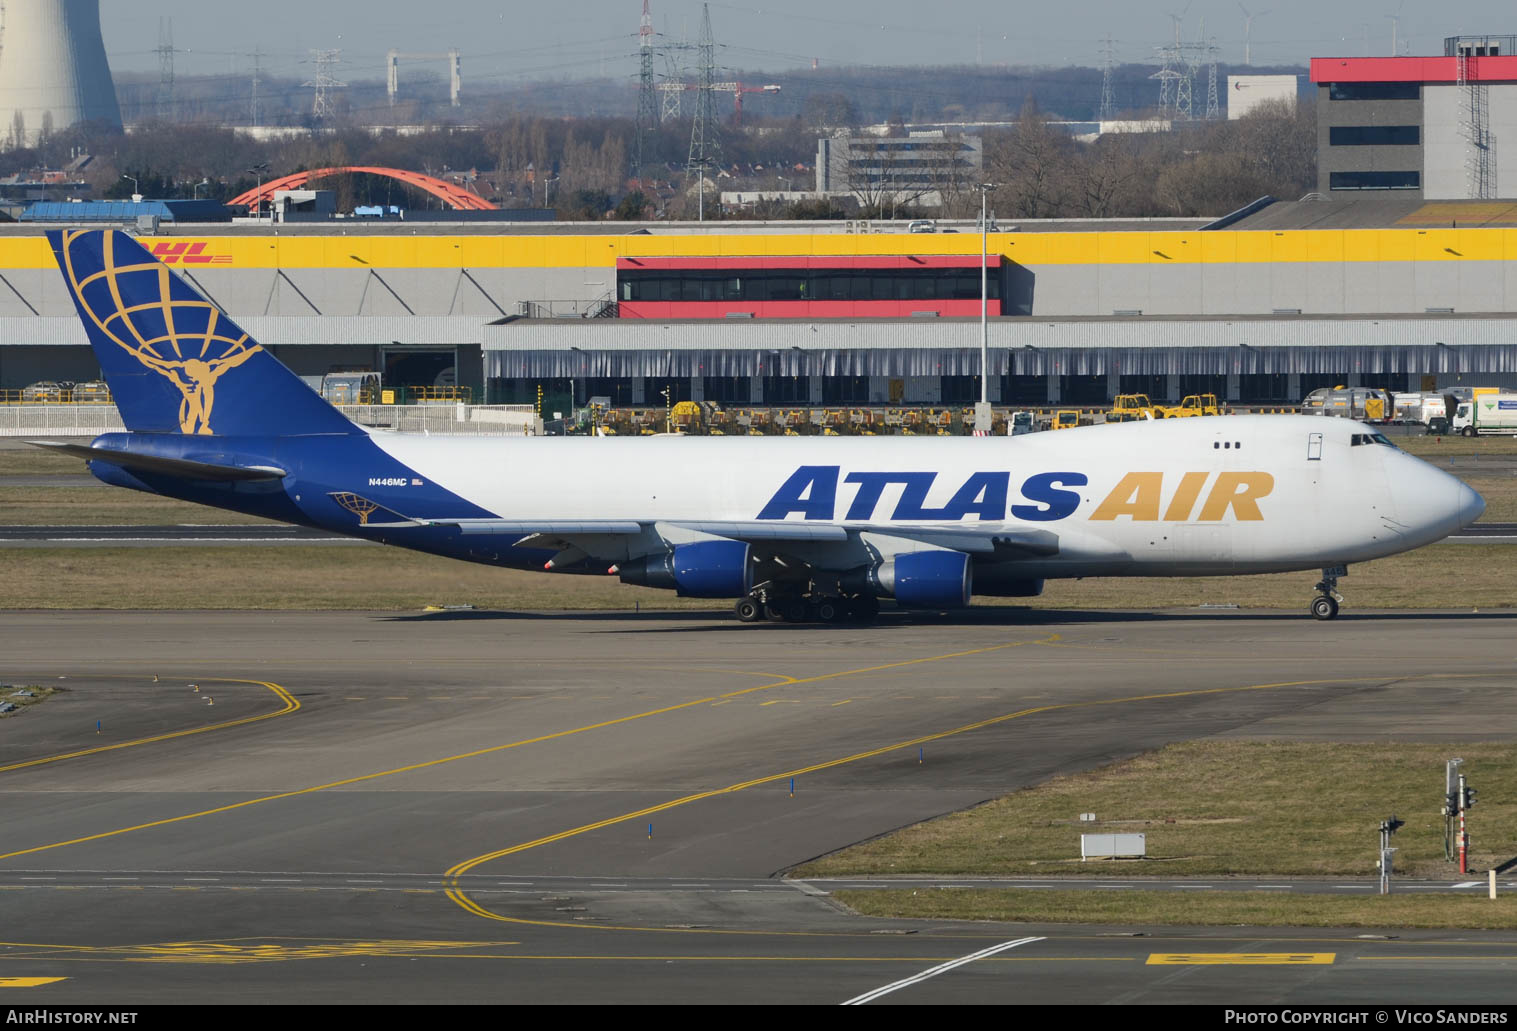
1325 604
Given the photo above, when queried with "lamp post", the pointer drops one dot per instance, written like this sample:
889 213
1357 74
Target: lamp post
258 170
982 418
701 164
136 189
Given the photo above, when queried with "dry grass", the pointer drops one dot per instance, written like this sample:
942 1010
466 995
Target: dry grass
39 694
18 459
1424 446
101 506
1260 909
297 577
1217 809
1485 572
363 577
1500 493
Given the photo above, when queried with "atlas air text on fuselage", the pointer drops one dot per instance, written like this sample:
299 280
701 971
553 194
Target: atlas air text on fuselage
812 492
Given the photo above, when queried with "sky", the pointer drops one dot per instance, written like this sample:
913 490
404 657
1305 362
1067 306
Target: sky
504 41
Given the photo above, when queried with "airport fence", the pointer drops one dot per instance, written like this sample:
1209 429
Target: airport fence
88 420
59 420
455 420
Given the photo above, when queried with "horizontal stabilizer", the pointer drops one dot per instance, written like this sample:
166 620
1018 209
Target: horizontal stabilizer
180 467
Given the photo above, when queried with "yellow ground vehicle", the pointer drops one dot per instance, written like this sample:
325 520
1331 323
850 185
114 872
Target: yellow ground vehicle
1194 405
1064 419
1132 408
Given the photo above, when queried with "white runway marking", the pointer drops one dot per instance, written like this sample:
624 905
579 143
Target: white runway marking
942 968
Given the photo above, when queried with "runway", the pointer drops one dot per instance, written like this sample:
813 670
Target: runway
495 807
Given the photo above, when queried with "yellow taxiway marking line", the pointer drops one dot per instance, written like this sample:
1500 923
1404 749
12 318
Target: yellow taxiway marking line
461 898
778 959
494 749
845 701
28 982
1248 959
780 701
290 705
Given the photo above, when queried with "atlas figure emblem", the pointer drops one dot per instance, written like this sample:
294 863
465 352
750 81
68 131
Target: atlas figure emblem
360 506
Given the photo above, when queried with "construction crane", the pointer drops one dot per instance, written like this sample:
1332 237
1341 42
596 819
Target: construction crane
737 89
455 76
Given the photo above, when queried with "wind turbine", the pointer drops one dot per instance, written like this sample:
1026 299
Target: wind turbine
1248 32
1396 28
1177 19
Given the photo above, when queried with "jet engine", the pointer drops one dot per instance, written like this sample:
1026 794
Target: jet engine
704 569
919 579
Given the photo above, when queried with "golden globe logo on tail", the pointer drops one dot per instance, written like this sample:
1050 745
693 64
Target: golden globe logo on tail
193 360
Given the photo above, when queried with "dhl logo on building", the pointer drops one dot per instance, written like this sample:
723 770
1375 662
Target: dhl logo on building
185 253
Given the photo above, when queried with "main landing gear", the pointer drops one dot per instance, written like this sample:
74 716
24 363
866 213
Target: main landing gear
754 608
1325 604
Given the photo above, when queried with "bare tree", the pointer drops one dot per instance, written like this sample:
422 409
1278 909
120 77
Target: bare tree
1107 177
952 175
1033 165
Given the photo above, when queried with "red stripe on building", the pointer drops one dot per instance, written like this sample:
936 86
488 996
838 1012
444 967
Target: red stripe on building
800 309
1411 69
810 262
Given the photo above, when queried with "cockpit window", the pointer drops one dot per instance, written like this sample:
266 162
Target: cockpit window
1363 439
1381 438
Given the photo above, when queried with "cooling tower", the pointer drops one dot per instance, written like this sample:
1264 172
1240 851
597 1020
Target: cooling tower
53 67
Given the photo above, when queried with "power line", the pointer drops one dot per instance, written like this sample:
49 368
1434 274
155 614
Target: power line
165 51
1108 95
704 144
323 83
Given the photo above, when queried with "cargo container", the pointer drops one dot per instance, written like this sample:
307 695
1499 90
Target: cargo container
1366 404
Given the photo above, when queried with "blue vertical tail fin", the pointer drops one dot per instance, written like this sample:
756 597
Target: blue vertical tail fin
174 361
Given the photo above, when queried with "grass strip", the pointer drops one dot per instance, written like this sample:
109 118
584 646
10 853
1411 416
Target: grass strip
1127 907
330 576
105 506
23 696
1221 808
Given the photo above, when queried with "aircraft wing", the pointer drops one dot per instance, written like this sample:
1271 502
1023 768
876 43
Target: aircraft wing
992 541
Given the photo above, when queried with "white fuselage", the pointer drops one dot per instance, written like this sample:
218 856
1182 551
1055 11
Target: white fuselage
1195 496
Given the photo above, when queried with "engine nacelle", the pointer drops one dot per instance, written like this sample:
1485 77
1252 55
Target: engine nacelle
920 579
704 569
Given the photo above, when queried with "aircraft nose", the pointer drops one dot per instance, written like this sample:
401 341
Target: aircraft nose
1471 505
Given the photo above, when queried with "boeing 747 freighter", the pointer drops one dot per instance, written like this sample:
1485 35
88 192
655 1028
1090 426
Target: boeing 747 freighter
790 529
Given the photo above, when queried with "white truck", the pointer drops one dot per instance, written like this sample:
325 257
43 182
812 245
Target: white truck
1486 415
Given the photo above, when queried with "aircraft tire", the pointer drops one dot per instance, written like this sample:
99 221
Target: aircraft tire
794 610
828 611
1324 607
748 609
774 612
